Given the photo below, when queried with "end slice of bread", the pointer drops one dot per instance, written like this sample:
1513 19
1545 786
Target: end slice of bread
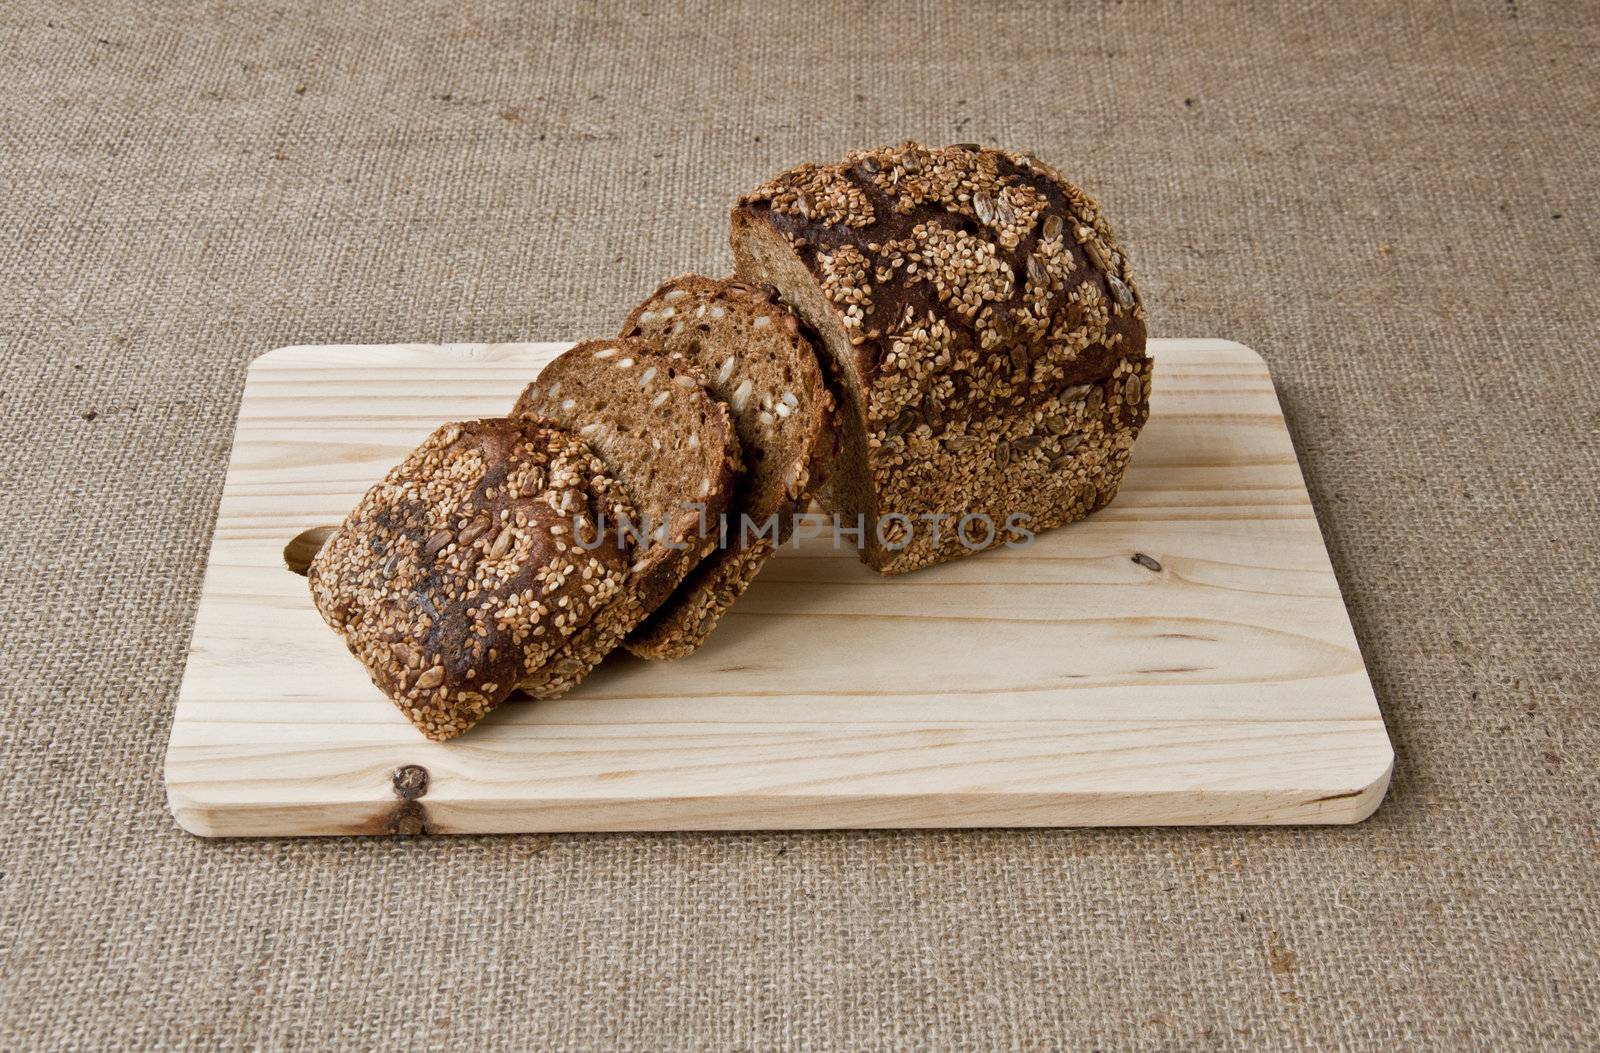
457 577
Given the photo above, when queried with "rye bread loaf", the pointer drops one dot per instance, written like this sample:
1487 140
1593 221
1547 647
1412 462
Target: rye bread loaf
662 435
985 334
457 578
756 360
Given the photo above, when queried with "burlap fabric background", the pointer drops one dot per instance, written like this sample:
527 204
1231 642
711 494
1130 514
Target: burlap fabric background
1397 206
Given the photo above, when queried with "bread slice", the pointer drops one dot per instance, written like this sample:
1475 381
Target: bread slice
457 578
673 448
756 360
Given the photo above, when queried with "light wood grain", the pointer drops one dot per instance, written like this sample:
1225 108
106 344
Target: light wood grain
1053 685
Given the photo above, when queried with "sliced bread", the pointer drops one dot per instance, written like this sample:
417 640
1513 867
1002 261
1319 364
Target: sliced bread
670 444
457 578
756 359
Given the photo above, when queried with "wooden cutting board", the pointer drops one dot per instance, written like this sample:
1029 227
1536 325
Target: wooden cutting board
1067 683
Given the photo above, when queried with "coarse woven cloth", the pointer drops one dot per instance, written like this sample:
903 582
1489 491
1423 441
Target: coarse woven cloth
1395 204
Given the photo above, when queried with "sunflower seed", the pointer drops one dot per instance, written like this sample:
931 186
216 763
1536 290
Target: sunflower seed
911 161
437 541
1036 270
473 530
1052 227
1147 562
803 202
406 656
431 678
1004 212
1054 422
739 287
1133 390
983 205
741 395
1096 402
907 420
502 543
1004 326
1092 250
1019 357
870 165
1087 495
1028 443
1075 392
1121 291
1002 453
960 443
932 410
1071 442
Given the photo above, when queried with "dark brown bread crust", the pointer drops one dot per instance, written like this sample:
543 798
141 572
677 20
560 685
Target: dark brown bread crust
661 434
986 331
456 578
756 359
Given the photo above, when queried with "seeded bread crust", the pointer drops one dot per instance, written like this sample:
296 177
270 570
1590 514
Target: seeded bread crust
985 331
456 578
756 360
587 648
661 434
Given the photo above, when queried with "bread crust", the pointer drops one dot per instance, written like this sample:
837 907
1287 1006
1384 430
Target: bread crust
457 577
986 330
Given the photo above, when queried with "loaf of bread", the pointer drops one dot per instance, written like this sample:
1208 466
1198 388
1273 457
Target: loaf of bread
755 360
457 578
949 341
983 331
673 448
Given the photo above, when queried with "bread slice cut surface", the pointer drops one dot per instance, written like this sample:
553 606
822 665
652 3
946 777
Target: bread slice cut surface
757 360
661 434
